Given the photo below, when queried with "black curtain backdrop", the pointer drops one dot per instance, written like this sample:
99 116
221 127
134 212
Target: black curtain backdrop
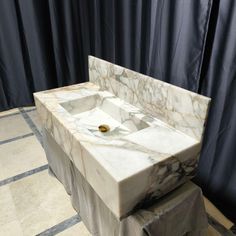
217 169
192 44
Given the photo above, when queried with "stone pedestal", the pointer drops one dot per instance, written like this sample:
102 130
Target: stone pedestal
180 212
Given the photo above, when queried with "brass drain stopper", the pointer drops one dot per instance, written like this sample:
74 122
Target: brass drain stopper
103 128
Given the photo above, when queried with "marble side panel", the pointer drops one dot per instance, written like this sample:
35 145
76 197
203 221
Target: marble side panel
180 108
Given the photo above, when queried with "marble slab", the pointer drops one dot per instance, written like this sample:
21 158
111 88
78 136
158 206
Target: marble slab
184 110
141 158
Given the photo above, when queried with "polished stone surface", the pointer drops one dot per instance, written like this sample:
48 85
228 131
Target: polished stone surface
184 110
126 159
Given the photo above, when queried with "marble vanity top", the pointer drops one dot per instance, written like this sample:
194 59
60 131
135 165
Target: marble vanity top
145 153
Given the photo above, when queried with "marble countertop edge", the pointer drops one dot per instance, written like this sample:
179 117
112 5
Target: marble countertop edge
82 139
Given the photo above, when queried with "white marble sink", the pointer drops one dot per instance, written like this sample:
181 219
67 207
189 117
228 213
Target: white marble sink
154 139
95 109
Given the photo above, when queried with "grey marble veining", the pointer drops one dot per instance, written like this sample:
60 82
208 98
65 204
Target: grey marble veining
152 146
180 108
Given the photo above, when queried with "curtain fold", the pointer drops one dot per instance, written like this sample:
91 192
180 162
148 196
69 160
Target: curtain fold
217 167
13 76
45 44
164 39
40 48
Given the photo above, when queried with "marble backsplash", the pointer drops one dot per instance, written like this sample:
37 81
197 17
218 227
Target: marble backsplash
186 113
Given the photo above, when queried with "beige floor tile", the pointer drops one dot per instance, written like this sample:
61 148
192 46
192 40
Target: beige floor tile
215 213
28 108
8 112
41 202
7 207
35 118
9 224
12 228
78 229
13 126
19 156
212 232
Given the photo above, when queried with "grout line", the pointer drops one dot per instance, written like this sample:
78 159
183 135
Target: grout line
219 227
33 109
31 125
16 113
12 114
56 229
23 175
16 138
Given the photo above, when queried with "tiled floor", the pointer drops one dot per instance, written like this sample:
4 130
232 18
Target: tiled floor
31 201
9 131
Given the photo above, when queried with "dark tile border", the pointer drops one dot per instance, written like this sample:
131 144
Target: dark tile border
23 175
17 112
31 124
32 109
219 227
16 138
56 229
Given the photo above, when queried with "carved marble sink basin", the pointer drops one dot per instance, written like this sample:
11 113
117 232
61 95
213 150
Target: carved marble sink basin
92 111
154 139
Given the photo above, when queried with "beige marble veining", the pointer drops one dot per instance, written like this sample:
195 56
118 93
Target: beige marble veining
144 156
180 108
